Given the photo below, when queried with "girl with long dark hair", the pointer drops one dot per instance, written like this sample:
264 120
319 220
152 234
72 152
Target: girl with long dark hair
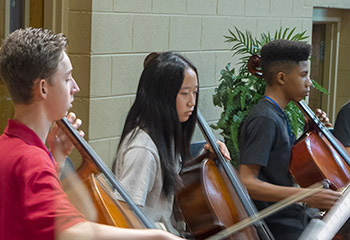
157 134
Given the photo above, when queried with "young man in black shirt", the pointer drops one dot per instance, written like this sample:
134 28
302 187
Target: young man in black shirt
266 140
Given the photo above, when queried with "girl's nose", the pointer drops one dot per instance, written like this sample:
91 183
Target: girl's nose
192 101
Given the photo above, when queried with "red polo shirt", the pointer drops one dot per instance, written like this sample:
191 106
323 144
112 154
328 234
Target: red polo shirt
32 202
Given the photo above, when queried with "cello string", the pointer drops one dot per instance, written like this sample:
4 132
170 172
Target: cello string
267 212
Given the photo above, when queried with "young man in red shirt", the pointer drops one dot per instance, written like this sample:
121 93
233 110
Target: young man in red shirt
38 75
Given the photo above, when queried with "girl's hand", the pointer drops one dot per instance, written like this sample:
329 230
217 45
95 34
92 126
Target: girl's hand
223 149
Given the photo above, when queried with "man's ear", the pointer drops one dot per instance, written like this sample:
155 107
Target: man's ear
281 78
40 88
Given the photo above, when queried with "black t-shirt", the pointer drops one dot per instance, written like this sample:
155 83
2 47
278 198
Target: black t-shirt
265 141
342 125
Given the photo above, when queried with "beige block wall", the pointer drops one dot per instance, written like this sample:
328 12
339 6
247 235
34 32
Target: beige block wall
109 39
79 49
109 42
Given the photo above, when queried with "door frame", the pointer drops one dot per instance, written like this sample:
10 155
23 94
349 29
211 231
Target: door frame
332 48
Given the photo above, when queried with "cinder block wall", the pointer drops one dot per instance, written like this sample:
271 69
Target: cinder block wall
109 40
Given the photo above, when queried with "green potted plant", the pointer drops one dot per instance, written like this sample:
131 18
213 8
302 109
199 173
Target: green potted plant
238 92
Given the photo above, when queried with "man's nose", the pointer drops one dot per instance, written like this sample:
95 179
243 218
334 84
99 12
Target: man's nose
309 82
75 86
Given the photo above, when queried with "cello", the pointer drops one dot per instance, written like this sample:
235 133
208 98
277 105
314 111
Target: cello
318 155
211 197
110 211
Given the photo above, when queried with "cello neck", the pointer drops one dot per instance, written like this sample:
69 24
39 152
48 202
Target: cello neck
311 116
324 130
84 148
261 227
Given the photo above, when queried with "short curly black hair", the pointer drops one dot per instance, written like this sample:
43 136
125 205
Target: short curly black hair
279 54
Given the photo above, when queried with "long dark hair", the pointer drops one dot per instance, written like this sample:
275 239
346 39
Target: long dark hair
154 111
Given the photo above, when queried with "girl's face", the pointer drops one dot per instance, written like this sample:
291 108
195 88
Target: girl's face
186 97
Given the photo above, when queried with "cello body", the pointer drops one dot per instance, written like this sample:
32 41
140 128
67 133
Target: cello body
106 208
318 155
211 197
315 159
208 204
91 175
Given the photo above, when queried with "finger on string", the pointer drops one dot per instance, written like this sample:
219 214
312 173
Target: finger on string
224 150
81 133
77 123
71 117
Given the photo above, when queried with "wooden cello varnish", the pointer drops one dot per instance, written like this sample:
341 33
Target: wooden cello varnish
208 202
109 210
211 197
318 155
